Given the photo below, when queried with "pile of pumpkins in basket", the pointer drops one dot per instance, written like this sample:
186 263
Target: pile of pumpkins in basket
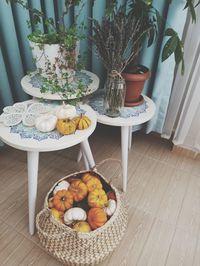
65 120
83 202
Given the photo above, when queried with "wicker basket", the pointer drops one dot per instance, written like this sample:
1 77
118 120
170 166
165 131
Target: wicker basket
74 248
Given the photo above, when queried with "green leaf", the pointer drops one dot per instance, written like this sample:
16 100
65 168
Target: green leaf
151 36
170 32
158 18
191 8
178 54
169 47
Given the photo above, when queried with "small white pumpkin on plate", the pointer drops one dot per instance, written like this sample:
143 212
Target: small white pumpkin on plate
62 185
110 209
66 111
74 214
46 123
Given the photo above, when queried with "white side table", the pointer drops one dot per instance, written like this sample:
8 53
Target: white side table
32 83
126 129
34 147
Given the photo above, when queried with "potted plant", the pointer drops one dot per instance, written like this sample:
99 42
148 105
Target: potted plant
150 19
56 50
113 38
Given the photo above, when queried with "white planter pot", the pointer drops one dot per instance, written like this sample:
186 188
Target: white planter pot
49 58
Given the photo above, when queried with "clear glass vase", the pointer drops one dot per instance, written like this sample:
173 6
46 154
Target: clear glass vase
115 90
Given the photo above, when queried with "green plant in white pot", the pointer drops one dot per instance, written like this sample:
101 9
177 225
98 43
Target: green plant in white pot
56 50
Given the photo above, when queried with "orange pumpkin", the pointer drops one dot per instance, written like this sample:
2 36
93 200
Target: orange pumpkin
96 217
93 183
63 200
97 198
78 189
87 176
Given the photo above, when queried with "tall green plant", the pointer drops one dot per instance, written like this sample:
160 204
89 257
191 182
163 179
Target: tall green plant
151 23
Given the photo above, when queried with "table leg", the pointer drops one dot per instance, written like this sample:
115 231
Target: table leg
130 138
80 154
33 161
87 167
124 151
79 157
85 147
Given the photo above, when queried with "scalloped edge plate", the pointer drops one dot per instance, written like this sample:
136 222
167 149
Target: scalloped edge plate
29 119
20 107
12 119
38 108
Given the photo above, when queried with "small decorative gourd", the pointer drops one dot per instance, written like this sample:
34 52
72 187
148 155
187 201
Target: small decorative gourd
87 176
57 215
96 218
82 227
74 214
46 123
78 189
82 122
65 127
97 198
111 195
93 183
110 209
66 111
63 200
62 185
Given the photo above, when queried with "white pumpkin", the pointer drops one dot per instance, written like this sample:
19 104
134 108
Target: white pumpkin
74 214
62 185
66 111
110 209
46 123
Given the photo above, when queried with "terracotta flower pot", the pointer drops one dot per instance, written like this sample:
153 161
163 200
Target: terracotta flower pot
135 84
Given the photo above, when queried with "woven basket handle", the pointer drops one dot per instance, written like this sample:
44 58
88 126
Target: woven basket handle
105 161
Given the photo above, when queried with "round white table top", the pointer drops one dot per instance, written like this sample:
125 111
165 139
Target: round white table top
129 121
30 144
35 91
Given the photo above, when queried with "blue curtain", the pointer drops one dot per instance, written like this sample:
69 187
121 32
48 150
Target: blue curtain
16 59
160 85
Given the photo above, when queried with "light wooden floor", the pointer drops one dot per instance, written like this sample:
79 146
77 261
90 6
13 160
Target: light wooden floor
163 194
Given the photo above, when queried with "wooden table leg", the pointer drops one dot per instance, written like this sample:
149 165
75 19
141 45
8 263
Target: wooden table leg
32 162
85 147
124 151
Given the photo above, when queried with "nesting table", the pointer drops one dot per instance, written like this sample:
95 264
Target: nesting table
130 116
33 147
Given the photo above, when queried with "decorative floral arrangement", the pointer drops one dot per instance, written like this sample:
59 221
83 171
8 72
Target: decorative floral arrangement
84 202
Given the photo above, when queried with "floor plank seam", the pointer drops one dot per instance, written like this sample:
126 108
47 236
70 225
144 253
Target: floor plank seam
172 240
154 220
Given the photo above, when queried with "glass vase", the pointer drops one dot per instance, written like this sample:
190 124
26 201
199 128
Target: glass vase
115 90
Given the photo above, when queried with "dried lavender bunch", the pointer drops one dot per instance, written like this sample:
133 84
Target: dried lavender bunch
115 38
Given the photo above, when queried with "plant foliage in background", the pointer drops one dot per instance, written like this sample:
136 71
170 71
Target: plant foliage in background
152 22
